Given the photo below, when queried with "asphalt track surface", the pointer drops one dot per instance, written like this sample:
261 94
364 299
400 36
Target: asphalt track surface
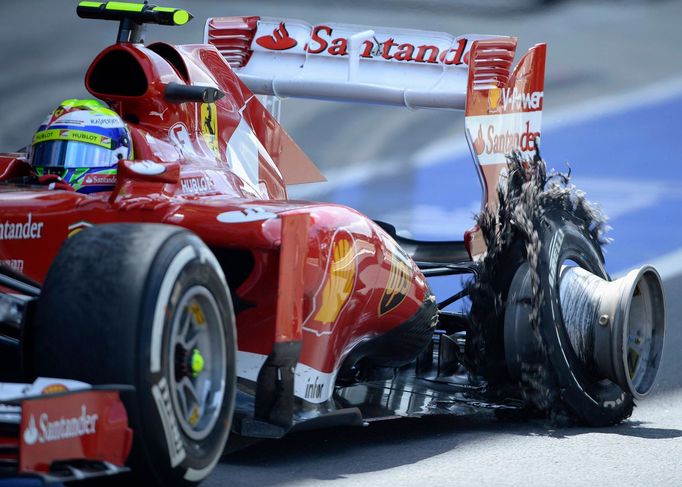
612 102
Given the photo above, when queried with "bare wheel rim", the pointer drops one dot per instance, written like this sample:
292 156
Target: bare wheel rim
198 362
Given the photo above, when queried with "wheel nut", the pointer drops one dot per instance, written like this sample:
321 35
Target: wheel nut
604 320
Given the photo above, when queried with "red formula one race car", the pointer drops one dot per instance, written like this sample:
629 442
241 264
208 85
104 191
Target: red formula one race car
148 240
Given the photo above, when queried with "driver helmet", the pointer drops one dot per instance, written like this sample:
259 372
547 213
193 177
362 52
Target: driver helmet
81 142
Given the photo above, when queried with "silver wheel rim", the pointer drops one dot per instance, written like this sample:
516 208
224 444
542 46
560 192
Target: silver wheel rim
198 365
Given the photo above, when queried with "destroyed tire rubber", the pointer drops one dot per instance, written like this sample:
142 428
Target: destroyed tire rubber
584 397
148 306
539 224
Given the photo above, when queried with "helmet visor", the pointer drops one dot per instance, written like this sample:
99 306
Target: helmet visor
71 154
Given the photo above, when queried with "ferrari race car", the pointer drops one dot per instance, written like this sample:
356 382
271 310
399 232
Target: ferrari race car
186 272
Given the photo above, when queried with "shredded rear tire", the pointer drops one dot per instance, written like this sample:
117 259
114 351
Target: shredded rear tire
533 209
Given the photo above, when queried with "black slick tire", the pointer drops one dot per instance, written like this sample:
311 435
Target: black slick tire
105 316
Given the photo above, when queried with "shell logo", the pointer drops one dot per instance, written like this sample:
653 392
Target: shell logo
494 95
54 389
340 281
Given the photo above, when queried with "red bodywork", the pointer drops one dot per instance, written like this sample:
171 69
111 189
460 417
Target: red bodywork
63 426
90 425
322 273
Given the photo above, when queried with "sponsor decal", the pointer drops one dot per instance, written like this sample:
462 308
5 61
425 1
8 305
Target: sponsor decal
74 228
158 114
83 118
72 135
324 41
46 430
14 264
516 100
179 135
209 127
24 230
176 447
505 142
333 41
111 121
340 281
253 214
399 280
280 40
71 121
336 287
54 389
310 384
493 99
498 135
513 100
479 143
313 390
196 184
100 179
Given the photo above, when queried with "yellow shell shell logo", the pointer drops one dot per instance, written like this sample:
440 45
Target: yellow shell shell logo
493 99
339 283
54 389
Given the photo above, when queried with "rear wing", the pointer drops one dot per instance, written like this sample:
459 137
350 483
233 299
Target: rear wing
503 111
411 68
291 58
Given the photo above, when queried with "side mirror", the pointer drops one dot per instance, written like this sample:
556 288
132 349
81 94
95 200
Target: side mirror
149 171
142 178
14 165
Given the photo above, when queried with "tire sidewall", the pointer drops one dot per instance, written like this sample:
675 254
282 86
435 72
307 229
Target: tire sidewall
564 237
176 458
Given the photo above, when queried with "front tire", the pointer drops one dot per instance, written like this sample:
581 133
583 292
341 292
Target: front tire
145 305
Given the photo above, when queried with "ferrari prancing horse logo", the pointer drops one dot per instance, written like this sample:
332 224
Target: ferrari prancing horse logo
209 127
